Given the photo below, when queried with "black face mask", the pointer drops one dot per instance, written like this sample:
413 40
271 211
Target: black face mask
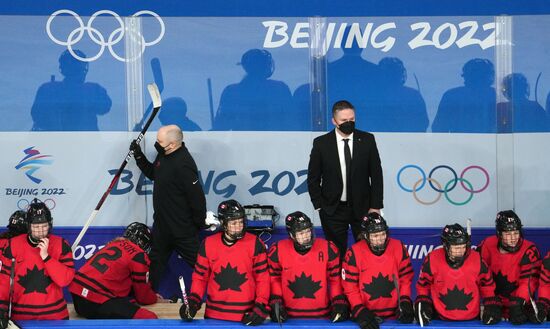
159 148
347 127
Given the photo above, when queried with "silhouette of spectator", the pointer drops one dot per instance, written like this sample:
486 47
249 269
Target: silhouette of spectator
398 108
471 108
71 104
174 112
354 79
256 103
519 114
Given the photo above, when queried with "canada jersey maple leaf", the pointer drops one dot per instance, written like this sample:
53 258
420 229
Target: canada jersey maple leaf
34 281
456 299
503 286
229 278
380 286
304 286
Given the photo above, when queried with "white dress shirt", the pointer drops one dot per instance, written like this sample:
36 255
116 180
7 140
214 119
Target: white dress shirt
340 143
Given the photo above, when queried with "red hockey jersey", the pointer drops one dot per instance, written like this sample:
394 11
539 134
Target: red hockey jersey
38 288
544 287
307 283
5 270
512 272
236 276
455 293
118 269
368 279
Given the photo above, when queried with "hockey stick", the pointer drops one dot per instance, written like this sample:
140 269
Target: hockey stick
396 284
184 296
157 102
159 81
277 307
469 227
11 324
420 320
535 308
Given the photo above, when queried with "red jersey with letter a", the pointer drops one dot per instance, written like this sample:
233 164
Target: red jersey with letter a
38 289
236 276
309 282
368 279
118 269
456 293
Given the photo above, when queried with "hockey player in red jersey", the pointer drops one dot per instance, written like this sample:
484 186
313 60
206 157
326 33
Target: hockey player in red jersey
101 288
514 263
305 275
453 282
377 276
544 290
44 265
16 226
232 265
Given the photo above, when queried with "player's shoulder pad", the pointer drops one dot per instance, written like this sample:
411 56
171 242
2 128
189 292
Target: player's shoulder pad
259 246
530 255
140 258
350 257
426 266
65 248
333 251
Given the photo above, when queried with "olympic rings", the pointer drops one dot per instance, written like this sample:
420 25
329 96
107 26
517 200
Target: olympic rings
23 204
98 38
449 186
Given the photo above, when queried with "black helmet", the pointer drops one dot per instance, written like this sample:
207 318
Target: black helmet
17 223
373 223
230 210
139 234
455 235
507 221
295 222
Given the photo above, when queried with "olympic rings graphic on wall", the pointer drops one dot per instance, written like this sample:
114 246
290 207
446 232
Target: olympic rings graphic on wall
23 204
443 189
97 37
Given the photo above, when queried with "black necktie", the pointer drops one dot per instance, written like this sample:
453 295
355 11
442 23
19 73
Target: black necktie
347 158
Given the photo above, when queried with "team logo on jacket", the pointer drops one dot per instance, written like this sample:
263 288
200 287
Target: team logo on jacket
34 281
303 286
229 278
456 299
380 286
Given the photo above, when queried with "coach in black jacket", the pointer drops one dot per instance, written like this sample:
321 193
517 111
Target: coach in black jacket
344 185
178 200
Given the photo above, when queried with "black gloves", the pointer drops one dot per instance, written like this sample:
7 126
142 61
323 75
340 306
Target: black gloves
406 314
276 305
340 309
517 316
257 316
3 319
188 314
134 147
365 318
492 310
424 310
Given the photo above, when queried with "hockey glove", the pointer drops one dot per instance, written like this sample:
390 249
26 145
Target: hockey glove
406 314
277 308
257 316
365 318
3 319
492 310
340 309
535 317
188 314
424 311
517 316
134 147
544 308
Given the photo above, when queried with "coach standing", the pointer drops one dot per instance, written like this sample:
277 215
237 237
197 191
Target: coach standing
179 203
344 176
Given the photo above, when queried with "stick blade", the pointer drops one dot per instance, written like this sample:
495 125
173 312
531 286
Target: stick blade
155 95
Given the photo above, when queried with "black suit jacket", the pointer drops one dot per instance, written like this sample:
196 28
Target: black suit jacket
325 176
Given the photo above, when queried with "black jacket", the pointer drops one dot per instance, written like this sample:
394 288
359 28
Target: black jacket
325 177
